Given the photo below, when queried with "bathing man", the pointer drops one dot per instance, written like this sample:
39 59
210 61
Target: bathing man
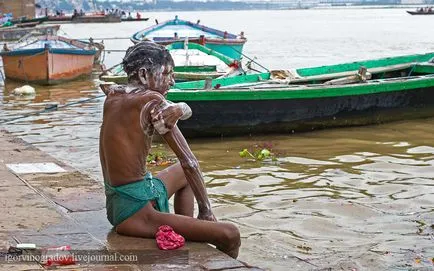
137 203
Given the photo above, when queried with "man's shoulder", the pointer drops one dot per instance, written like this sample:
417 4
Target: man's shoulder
110 88
127 91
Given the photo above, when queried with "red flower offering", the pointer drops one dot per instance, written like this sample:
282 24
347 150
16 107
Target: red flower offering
168 239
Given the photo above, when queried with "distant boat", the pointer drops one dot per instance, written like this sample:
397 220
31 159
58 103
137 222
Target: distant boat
133 19
17 32
59 19
88 18
97 18
177 30
48 60
421 12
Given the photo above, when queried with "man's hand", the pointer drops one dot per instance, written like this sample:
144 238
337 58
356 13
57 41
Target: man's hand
209 216
166 118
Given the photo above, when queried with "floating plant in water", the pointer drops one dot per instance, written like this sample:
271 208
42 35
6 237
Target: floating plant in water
258 154
159 158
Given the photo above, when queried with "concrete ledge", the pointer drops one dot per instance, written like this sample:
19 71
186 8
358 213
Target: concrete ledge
68 209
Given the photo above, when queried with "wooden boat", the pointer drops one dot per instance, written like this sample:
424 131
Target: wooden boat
29 24
89 18
307 99
192 62
48 60
14 33
179 30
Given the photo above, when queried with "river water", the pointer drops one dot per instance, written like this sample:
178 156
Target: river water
350 198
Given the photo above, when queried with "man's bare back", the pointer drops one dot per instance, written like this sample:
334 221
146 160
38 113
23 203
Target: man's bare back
123 159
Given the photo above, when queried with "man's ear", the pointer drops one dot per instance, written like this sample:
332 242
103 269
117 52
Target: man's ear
143 76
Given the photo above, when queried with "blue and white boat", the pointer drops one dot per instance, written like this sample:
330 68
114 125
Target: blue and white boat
177 30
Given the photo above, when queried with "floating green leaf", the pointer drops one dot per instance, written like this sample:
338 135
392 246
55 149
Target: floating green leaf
259 155
265 153
244 153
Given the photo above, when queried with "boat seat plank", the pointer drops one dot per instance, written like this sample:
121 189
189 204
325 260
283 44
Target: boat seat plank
330 76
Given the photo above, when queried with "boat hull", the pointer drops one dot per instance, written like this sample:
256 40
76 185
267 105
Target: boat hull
47 66
300 113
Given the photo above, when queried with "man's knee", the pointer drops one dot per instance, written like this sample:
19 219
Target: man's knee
231 234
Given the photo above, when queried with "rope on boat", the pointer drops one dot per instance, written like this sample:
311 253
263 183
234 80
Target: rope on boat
252 60
49 108
105 71
411 71
79 39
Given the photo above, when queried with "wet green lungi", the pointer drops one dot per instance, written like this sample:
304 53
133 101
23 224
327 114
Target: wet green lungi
124 201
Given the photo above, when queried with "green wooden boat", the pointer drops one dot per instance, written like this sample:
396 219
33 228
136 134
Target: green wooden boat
192 62
306 99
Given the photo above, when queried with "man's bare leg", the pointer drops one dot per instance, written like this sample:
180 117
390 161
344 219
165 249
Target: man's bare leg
176 183
145 223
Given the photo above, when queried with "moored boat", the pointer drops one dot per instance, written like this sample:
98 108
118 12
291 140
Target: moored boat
177 30
327 96
88 18
349 94
48 60
96 18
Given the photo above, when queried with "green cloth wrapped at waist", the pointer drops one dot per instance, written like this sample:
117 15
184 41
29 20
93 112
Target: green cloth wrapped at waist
124 201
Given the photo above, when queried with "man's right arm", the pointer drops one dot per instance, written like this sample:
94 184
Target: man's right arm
176 140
